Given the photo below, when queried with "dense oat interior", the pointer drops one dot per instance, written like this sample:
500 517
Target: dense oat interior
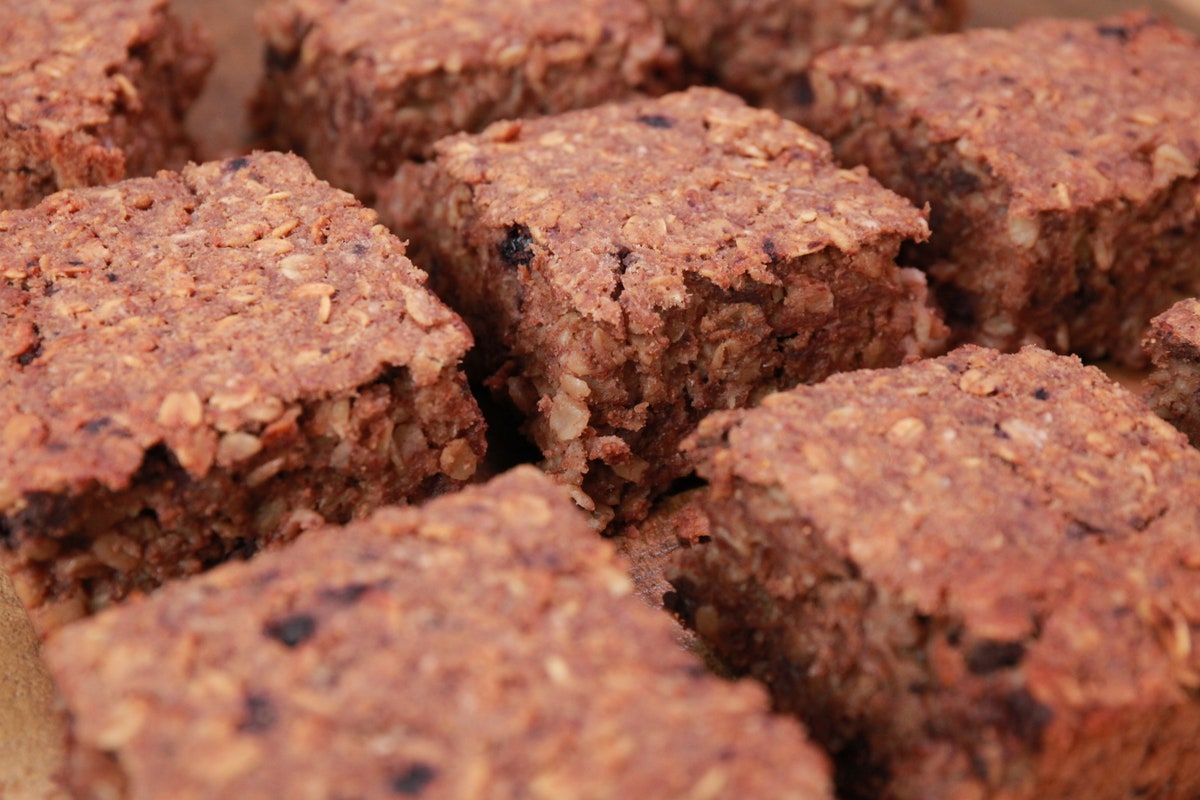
971 575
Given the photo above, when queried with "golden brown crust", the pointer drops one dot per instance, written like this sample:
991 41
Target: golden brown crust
978 571
342 666
93 92
229 332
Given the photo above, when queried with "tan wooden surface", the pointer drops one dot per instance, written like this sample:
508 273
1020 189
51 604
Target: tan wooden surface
28 740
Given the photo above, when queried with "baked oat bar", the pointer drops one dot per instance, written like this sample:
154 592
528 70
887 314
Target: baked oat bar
199 364
93 92
761 49
1173 388
358 86
629 268
974 576
1060 161
484 645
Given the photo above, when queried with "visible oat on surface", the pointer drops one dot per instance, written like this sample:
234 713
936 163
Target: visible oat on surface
629 268
199 364
1061 163
358 87
974 576
343 666
93 92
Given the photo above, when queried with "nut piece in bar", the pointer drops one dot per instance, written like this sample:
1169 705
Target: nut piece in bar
195 365
358 86
628 268
974 576
761 49
1060 162
91 93
484 645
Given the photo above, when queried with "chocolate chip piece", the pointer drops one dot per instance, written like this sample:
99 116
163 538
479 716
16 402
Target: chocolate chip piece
291 631
1041 394
236 164
412 782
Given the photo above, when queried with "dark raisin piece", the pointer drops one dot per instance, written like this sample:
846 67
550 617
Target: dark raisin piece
963 182
990 656
348 594
111 277
656 121
412 782
1029 718
30 355
259 714
515 247
771 250
236 164
1040 393
802 91
97 425
291 631
1118 32
276 60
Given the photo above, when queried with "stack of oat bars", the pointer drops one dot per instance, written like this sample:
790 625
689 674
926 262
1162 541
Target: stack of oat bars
533 364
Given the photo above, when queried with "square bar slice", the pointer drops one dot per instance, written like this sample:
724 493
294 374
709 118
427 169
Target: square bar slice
198 364
761 49
484 645
358 86
1173 387
1060 161
91 93
976 576
631 267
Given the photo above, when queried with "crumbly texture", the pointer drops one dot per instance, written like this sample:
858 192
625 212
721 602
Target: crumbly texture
198 364
1173 388
93 92
358 86
761 49
975 576
485 645
629 268
1060 161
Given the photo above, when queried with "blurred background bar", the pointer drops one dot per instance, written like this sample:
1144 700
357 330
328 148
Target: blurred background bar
219 118
1185 12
